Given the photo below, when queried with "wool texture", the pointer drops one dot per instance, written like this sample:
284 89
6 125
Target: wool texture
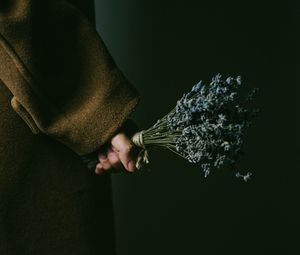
61 96
64 82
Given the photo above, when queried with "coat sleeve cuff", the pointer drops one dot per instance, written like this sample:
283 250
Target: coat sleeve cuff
64 81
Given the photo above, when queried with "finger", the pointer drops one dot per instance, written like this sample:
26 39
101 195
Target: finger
126 151
99 168
113 159
104 161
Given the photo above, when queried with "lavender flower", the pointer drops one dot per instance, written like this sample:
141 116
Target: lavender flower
207 126
245 177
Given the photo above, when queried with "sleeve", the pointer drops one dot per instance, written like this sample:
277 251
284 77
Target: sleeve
64 82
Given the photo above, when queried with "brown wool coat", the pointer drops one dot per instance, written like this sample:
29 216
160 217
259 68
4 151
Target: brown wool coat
61 97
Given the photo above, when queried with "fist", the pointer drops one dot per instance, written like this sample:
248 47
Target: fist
119 154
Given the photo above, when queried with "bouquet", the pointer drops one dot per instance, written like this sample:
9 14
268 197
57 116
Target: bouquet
206 127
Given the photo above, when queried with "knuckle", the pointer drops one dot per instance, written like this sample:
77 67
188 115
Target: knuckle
102 157
111 153
114 161
104 161
128 148
106 166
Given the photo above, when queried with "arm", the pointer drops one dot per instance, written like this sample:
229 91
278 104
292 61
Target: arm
61 75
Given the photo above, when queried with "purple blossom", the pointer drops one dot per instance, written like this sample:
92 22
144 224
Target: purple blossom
207 126
212 121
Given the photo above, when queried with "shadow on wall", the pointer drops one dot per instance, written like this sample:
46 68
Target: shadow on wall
164 47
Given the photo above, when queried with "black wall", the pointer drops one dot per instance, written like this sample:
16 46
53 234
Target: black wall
164 47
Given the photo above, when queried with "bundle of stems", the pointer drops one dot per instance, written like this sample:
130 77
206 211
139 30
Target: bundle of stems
206 127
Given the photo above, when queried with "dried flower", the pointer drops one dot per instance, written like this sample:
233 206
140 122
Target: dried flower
207 126
245 177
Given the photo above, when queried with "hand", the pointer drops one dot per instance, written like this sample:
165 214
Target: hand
119 154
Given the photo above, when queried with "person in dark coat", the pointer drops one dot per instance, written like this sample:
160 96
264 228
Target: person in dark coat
61 97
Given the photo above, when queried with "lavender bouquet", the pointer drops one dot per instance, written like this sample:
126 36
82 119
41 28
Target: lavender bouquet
207 126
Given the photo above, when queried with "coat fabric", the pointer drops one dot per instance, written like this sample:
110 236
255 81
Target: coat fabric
61 97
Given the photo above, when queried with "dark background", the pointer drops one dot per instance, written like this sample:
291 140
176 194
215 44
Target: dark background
164 47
